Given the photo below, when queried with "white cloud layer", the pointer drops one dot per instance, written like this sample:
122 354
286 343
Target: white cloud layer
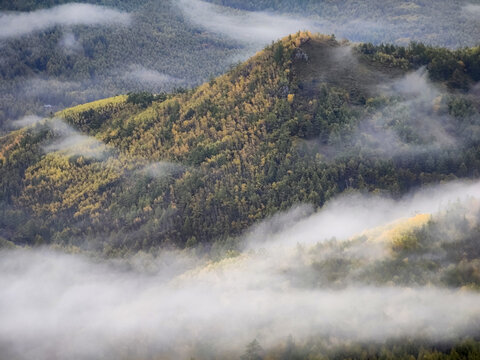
27 120
71 142
251 27
350 214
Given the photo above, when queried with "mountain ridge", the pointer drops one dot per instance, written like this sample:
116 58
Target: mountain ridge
201 165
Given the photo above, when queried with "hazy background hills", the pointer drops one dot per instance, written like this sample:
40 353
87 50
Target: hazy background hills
112 47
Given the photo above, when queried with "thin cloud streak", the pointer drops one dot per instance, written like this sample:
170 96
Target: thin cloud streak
260 28
161 169
149 78
471 9
251 27
350 214
15 24
72 142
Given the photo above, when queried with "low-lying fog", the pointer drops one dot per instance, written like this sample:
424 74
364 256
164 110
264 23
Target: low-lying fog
176 305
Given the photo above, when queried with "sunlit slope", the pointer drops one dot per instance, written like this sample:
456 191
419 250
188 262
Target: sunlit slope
437 249
304 119
393 232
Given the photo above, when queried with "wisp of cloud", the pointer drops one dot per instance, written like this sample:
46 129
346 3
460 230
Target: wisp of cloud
27 120
149 78
15 24
251 27
70 44
411 118
471 9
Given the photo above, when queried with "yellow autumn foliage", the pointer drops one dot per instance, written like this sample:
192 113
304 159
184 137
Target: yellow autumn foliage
395 230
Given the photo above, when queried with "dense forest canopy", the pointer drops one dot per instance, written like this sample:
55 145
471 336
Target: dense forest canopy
305 119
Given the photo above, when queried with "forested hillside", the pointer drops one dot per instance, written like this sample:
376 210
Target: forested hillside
303 120
162 48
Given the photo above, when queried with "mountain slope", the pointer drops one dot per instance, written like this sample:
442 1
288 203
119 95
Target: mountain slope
301 121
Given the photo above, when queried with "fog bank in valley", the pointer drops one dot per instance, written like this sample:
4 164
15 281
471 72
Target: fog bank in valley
178 305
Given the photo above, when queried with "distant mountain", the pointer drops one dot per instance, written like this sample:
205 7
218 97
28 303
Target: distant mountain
174 44
305 119
73 59
447 23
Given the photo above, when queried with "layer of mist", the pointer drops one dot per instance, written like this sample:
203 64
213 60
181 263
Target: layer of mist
66 139
70 44
417 107
250 27
28 120
176 305
472 9
351 214
149 79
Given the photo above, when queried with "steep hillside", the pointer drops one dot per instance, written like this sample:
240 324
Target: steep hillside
305 119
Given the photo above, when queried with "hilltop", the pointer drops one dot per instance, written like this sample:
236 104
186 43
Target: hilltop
305 119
